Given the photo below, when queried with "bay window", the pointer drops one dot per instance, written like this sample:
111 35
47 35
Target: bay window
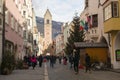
111 10
115 9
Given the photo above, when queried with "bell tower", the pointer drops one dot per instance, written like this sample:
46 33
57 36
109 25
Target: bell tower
47 28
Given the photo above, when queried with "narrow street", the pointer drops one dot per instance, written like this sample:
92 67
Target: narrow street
76 30
59 72
28 74
62 72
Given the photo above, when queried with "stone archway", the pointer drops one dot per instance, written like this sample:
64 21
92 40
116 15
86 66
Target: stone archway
117 47
117 41
103 40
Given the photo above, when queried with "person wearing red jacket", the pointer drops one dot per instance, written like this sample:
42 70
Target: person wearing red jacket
34 61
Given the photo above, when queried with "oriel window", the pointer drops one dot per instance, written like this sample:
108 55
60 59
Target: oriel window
111 11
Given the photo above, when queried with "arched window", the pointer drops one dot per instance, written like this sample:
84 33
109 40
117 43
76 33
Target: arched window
47 21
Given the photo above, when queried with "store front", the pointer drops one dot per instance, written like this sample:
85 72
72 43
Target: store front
115 49
97 51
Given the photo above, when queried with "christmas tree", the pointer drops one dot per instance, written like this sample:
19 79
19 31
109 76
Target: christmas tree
76 35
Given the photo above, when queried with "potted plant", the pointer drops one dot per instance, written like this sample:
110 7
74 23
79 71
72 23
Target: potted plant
7 64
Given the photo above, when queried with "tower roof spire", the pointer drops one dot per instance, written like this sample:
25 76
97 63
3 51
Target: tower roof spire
47 12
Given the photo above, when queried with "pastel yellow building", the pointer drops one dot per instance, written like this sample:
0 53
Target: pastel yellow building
101 54
97 51
111 12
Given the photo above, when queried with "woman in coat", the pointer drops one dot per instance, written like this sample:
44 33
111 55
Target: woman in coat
34 61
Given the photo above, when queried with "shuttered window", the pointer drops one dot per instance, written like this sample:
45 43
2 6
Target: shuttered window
115 9
111 10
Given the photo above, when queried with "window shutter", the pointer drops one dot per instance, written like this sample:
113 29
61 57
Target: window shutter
115 9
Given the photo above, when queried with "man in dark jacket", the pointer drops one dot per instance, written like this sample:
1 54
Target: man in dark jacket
52 61
40 59
87 62
76 59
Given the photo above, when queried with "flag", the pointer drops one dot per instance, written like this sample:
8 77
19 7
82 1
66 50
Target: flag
89 20
81 28
82 23
86 26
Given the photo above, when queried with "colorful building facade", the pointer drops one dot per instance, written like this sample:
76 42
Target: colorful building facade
107 29
111 12
13 27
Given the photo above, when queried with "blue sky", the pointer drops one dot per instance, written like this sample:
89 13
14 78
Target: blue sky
61 10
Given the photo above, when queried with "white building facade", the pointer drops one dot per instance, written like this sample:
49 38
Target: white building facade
65 31
40 44
59 44
35 35
90 12
28 14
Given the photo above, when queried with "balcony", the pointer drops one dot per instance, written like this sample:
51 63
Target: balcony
112 24
94 37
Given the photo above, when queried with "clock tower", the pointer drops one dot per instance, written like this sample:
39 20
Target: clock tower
47 28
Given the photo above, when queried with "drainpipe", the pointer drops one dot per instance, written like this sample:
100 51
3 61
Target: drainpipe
109 39
3 32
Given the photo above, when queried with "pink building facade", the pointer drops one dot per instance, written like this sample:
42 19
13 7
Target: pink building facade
14 27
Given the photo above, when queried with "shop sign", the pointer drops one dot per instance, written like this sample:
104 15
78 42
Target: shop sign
117 55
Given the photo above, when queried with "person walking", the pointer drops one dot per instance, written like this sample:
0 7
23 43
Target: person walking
87 63
59 58
71 60
76 59
40 59
34 61
52 61
29 61
65 60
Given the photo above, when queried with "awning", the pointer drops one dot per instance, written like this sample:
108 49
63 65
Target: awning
90 45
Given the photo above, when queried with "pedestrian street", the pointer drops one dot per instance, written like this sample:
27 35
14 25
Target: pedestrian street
59 72
63 72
